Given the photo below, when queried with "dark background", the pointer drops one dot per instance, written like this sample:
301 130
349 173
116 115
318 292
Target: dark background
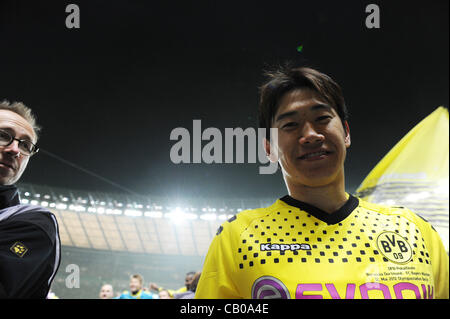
109 94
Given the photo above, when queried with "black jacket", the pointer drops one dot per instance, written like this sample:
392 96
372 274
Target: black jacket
30 251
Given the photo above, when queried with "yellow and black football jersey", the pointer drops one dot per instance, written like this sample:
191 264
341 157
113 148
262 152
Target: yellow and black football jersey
294 250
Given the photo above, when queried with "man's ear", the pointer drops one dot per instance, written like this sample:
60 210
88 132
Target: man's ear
347 134
271 152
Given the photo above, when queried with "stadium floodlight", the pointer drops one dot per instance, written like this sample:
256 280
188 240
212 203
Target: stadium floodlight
191 216
110 211
61 206
44 203
92 209
178 216
208 216
132 213
27 194
34 202
47 196
100 210
52 205
153 214
77 208
24 201
65 199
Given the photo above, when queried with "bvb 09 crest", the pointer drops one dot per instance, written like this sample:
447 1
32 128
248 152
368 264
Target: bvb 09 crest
394 247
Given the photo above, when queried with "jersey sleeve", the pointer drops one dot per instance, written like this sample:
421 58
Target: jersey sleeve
439 259
29 256
216 280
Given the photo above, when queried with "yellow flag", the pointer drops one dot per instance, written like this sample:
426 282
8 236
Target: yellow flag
414 173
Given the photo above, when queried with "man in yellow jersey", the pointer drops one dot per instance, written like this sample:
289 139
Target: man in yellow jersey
319 242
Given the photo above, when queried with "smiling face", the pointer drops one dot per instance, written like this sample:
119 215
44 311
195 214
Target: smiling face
312 141
135 285
12 162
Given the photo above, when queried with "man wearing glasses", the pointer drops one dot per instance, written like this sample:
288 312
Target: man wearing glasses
29 239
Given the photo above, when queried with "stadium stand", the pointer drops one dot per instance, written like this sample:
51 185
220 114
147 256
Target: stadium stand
111 236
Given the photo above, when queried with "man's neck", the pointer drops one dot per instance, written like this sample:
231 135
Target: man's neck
329 198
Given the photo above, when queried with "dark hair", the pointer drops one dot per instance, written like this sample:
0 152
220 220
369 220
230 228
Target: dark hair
194 283
286 79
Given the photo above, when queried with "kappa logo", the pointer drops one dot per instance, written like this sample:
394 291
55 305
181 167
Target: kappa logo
19 249
283 247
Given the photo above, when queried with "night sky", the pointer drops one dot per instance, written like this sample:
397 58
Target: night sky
109 93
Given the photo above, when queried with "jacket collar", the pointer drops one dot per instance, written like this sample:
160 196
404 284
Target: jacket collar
9 196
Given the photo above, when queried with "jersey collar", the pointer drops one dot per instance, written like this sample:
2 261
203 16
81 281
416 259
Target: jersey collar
330 219
137 294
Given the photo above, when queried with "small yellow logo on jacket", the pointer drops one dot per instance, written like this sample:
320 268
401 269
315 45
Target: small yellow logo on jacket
19 249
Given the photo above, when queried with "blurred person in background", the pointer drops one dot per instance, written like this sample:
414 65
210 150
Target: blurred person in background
106 292
187 281
29 243
136 289
165 294
191 288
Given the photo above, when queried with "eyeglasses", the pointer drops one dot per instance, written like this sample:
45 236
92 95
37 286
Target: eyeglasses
26 147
